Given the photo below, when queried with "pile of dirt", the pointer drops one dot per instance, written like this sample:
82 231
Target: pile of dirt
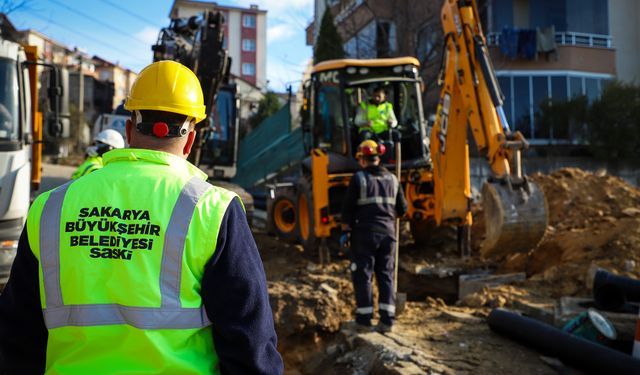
594 221
309 302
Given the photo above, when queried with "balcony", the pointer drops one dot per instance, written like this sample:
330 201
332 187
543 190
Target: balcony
566 38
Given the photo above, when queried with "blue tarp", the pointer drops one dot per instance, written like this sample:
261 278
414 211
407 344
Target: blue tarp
270 148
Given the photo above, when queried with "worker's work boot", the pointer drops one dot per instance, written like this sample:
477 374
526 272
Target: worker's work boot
355 327
384 328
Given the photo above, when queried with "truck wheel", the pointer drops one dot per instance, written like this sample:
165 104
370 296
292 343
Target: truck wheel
283 217
306 231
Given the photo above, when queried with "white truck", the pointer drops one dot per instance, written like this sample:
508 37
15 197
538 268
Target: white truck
110 121
21 134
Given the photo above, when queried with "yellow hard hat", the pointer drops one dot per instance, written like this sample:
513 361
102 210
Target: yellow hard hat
370 148
170 87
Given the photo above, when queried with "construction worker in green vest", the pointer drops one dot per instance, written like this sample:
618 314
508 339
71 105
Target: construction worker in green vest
375 116
142 266
104 142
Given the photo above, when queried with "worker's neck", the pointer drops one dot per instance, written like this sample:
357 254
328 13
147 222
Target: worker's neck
169 149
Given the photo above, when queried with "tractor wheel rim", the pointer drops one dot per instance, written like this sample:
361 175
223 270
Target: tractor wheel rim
282 208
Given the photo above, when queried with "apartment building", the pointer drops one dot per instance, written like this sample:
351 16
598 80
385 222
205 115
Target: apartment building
121 77
542 50
577 56
245 36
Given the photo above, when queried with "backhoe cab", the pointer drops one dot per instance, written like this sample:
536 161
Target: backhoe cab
309 208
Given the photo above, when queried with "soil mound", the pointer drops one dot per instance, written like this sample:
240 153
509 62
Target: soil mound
594 221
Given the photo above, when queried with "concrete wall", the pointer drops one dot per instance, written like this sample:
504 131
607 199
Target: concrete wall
261 51
234 43
625 32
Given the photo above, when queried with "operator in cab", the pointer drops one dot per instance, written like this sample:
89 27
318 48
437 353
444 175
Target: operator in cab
375 116
105 141
373 201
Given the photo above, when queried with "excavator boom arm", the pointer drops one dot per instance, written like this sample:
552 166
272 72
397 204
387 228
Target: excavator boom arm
515 209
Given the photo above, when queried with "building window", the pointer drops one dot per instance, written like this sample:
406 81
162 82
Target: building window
249 20
248 69
427 46
248 45
527 92
385 39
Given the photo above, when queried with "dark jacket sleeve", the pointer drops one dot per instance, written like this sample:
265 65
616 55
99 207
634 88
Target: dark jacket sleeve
349 204
23 335
401 203
234 292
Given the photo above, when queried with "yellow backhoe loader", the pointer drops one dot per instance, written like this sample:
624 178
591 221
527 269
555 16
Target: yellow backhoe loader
435 174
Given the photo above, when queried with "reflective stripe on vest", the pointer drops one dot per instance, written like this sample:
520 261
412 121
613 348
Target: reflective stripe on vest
364 199
170 315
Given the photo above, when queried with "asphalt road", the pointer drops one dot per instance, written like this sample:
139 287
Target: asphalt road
54 175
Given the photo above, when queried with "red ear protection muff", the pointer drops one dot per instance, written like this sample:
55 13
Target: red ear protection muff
381 149
367 151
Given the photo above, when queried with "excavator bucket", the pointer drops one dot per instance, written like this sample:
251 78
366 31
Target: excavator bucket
516 218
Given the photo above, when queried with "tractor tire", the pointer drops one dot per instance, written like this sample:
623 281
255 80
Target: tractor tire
282 219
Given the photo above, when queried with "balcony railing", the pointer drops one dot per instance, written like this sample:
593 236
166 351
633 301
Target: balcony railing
567 38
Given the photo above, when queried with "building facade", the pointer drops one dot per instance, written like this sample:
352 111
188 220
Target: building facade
121 77
543 51
245 36
379 28
547 51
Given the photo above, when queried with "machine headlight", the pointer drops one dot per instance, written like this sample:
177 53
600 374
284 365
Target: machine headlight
397 69
364 71
352 70
410 68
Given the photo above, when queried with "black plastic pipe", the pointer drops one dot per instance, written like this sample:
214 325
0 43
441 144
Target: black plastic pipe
612 292
575 351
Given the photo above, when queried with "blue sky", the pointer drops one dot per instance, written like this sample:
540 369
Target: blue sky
123 31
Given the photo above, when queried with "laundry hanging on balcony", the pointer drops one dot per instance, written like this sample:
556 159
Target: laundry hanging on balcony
509 42
518 43
546 40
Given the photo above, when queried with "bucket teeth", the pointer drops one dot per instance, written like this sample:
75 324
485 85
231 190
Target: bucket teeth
515 219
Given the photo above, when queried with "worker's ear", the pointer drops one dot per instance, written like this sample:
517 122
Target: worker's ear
191 136
128 128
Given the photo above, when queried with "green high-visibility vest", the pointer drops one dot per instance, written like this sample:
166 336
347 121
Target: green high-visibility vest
378 115
93 163
122 254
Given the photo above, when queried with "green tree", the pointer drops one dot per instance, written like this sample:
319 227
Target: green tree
613 123
562 119
269 105
329 43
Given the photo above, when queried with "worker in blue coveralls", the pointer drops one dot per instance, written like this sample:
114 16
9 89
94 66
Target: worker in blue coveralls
373 201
